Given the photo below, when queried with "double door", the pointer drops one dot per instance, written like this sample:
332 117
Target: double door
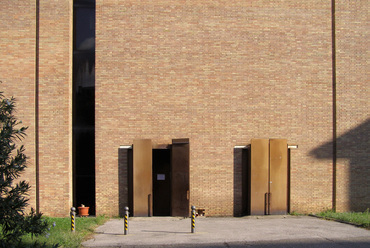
160 179
268 172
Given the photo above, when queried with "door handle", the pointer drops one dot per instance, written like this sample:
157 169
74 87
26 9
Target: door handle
267 203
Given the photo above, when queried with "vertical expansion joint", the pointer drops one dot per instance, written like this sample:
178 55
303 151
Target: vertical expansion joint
334 92
37 64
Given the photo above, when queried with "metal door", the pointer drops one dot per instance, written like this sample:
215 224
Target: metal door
278 176
142 178
268 176
259 175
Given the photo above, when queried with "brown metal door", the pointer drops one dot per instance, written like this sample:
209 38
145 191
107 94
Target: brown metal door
142 177
259 175
278 176
180 178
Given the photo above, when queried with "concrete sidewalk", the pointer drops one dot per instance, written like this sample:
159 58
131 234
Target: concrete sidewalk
264 231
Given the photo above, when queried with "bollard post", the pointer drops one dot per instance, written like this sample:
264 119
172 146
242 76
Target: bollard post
73 217
192 219
126 221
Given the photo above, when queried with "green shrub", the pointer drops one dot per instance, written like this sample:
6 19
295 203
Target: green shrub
14 222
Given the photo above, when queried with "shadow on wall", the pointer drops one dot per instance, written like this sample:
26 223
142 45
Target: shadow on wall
240 182
124 158
354 146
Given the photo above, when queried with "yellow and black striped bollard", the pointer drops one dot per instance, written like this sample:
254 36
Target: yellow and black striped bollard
73 217
192 219
126 221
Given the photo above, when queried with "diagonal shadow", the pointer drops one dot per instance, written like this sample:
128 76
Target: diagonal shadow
353 145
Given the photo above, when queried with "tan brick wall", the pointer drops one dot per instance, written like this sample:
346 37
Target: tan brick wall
17 72
353 119
219 73
55 107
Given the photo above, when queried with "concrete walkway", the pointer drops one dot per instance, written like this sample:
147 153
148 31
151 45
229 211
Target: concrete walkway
264 231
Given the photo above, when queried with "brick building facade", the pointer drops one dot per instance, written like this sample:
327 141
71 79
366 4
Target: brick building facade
217 73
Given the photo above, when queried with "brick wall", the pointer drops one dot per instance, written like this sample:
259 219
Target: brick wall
55 107
219 73
216 72
17 72
353 119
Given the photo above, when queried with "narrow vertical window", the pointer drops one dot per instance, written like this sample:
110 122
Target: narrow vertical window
84 104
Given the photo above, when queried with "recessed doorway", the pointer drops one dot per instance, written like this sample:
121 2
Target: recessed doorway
161 182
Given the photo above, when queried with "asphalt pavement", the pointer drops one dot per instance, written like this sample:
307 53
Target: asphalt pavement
261 231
